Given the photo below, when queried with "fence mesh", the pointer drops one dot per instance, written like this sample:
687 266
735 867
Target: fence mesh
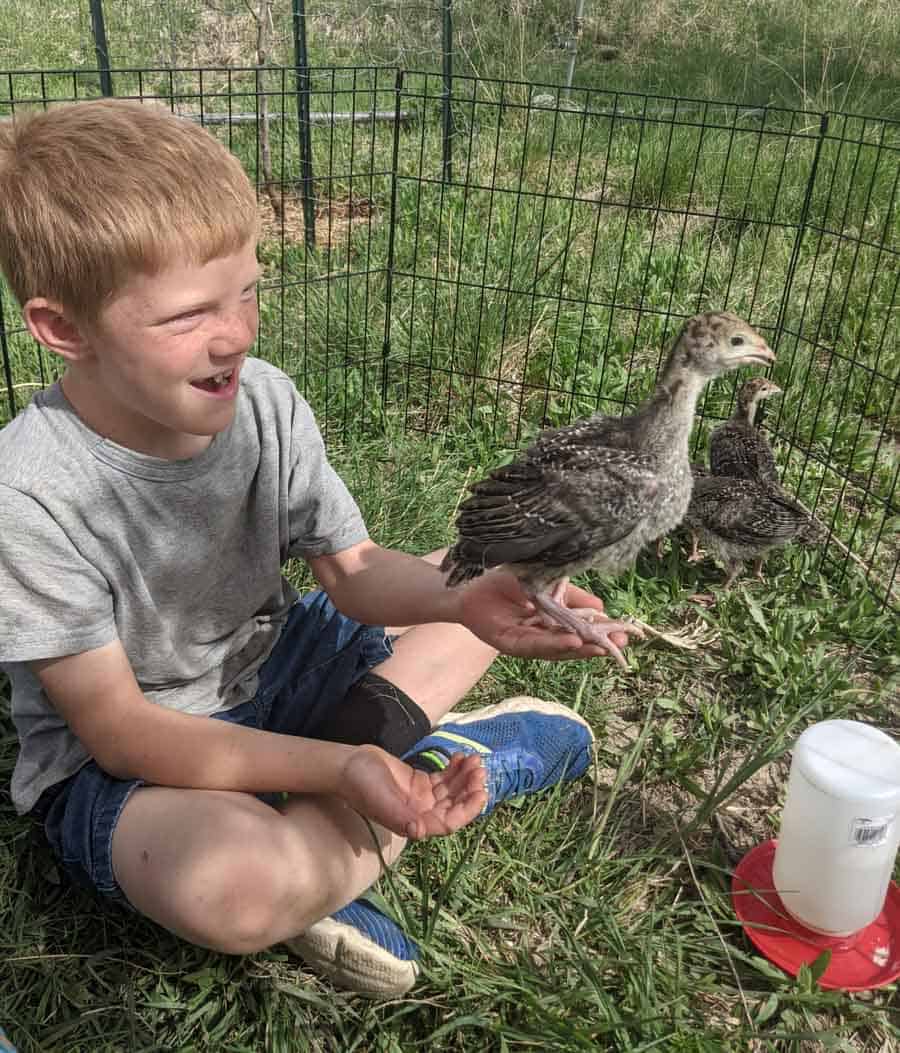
534 265
207 33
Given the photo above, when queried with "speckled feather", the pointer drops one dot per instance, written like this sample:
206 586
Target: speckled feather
741 519
593 493
737 448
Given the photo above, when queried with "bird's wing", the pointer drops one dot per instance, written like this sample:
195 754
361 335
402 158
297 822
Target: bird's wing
554 510
766 469
740 452
749 513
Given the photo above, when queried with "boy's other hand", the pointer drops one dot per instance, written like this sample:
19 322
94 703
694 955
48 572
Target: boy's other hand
409 802
496 610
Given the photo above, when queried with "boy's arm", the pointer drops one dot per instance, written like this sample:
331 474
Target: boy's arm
131 737
381 586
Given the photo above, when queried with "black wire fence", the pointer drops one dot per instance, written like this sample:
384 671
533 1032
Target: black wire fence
543 275
516 35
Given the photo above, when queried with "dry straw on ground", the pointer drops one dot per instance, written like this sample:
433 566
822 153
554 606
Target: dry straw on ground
335 220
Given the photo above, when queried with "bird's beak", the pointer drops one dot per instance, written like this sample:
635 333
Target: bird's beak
758 355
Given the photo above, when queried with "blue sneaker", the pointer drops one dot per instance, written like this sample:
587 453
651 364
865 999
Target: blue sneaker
525 744
5 1045
360 949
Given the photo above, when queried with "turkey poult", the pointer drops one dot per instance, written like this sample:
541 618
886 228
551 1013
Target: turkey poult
736 447
741 519
593 493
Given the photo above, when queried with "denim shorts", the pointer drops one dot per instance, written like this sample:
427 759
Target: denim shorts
318 657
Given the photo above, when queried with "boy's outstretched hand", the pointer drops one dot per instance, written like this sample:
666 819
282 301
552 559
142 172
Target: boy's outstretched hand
496 610
409 802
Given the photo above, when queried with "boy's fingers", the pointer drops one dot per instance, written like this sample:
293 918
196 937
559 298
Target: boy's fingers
464 811
458 797
467 779
448 821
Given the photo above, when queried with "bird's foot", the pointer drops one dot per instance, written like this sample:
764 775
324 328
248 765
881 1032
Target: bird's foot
696 555
758 570
587 623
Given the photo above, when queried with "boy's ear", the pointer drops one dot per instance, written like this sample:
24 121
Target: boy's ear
50 324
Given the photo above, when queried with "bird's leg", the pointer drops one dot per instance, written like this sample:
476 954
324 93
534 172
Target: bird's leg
758 568
696 555
584 623
558 593
734 572
559 590
708 599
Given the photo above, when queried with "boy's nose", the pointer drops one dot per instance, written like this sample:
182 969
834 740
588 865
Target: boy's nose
236 333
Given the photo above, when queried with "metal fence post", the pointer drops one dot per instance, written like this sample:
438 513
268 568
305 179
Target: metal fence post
7 365
572 42
98 28
304 137
801 231
392 227
446 110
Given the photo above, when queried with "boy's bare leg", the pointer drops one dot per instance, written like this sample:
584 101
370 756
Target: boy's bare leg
228 872
436 664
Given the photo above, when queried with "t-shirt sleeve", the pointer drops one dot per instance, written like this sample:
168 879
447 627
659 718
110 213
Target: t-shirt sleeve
53 602
323 517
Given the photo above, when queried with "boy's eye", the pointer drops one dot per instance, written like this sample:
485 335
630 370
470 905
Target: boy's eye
187 316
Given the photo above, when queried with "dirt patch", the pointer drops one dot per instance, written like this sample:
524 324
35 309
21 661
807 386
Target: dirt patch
752 814
335 220
649 811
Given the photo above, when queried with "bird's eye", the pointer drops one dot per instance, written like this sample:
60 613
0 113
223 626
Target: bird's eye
736 341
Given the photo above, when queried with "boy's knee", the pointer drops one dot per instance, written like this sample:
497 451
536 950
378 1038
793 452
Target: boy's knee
375 712
240 898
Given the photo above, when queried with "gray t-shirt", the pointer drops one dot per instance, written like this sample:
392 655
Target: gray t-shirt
179 560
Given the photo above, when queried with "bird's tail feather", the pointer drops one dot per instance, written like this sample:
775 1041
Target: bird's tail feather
458 569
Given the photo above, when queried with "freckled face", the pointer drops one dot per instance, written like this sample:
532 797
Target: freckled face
163 367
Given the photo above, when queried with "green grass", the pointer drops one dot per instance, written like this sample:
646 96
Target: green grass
838 54
543 284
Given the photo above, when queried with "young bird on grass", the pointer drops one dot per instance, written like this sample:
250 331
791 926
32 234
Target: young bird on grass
593 493
741 519
736 447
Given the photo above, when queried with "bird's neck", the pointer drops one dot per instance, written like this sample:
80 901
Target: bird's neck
745 412
672 406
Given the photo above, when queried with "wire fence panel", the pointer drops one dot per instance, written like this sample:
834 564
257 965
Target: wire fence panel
547 276
322 314
519 36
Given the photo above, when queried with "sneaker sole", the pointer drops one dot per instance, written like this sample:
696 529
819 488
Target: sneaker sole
352 961
519 704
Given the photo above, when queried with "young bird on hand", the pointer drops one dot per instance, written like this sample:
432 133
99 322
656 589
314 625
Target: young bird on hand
593 493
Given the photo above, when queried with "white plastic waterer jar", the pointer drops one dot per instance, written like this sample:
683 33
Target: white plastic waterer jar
840 827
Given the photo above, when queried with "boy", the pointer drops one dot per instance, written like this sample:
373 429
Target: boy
200 744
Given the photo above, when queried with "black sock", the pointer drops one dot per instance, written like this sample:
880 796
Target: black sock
375 712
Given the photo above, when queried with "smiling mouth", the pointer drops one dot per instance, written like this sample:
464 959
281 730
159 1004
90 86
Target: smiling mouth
216 383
